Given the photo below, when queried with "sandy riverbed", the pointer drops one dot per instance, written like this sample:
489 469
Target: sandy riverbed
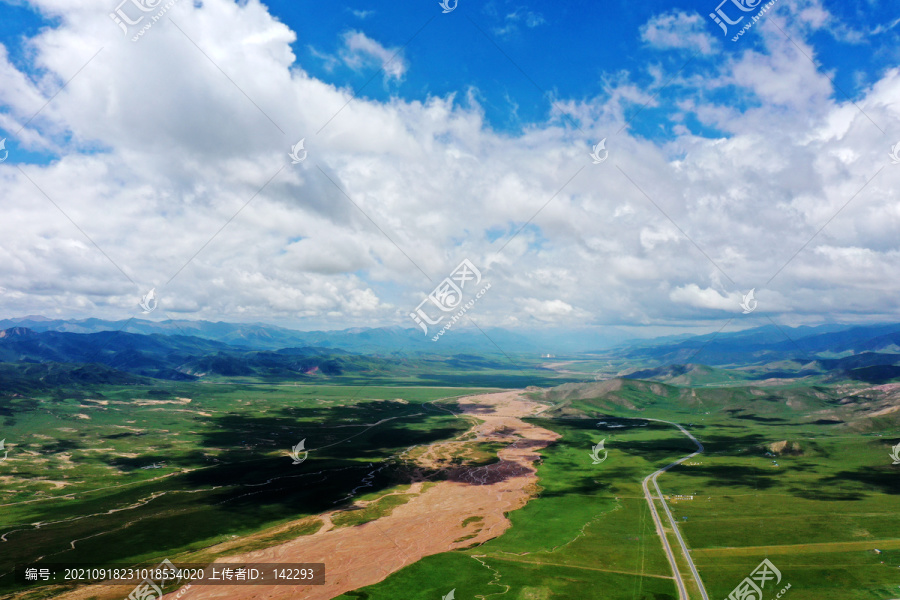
430 523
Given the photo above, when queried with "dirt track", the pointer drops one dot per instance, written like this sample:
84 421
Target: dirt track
430 523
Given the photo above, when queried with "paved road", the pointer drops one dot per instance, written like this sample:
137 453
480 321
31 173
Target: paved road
679 581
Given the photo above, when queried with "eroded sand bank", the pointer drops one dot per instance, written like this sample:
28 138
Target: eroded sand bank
430 523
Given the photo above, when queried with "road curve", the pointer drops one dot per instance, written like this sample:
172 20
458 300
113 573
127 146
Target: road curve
682 590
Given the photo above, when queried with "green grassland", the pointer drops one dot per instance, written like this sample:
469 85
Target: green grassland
77 465
837 487
819 515
588 533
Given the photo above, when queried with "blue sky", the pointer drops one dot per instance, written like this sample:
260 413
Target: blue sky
570 50
552 50
169 155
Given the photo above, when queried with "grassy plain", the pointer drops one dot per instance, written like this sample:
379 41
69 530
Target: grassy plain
218 458
817 510
587 534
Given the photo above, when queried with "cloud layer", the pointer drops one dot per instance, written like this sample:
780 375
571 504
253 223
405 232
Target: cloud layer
173 173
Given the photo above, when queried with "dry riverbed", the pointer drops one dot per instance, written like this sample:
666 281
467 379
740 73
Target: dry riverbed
430 523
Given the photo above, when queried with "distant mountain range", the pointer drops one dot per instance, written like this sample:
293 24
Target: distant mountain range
271 337
173 349
178 357
367 340
770 344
